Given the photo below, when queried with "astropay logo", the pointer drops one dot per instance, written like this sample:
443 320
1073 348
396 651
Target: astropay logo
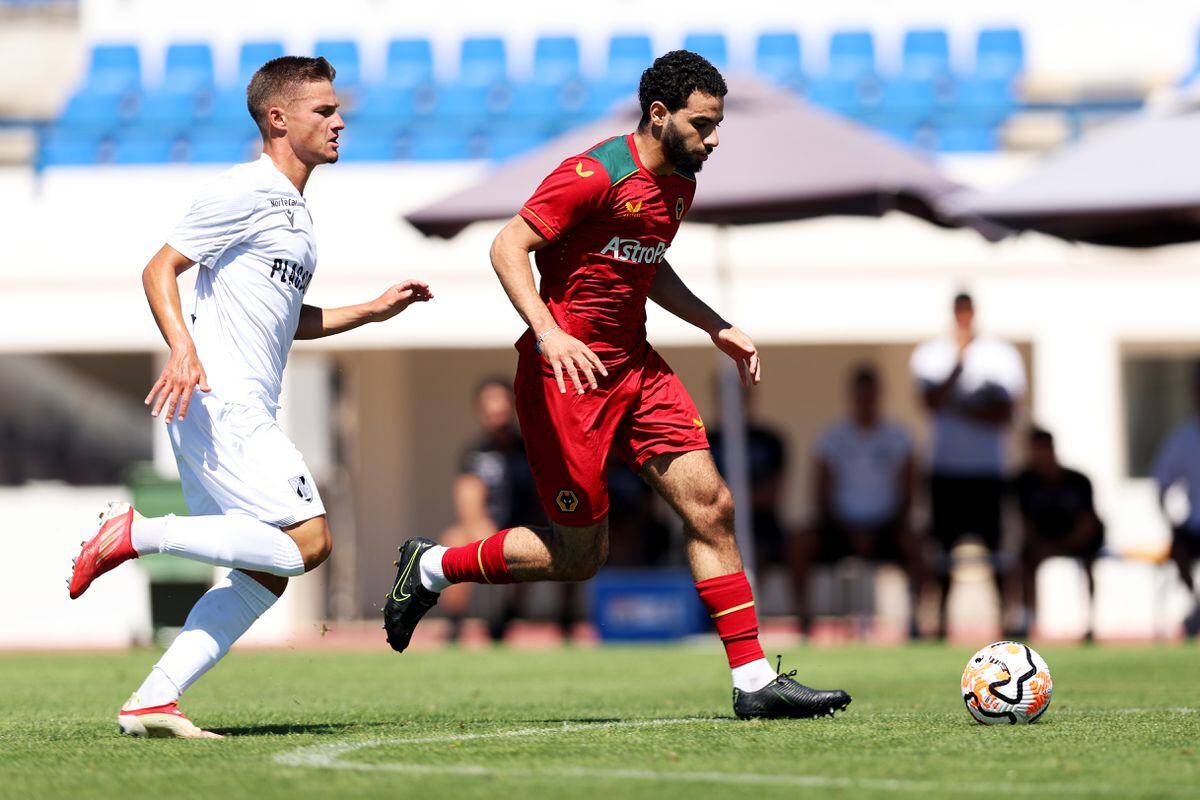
633 250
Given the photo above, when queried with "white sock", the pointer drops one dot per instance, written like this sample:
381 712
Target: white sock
753 676
224 540
218 619
432 577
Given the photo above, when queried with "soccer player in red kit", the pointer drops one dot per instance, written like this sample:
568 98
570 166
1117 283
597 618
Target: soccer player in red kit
589 383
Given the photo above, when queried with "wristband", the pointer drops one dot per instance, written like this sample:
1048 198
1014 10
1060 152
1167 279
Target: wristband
537 345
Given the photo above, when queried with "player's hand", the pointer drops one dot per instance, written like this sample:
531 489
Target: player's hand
182 374
737 345
569 356
399 297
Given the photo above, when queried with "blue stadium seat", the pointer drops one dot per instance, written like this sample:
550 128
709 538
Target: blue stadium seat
999 53
113 69
409 63
222 145
983 100
393 104
628 57
229 107
908 101
926 54
343 54
97 111
710 45
556 60
967 139
507 145
167 108
140 146
67 146
189 68
483 62
442 146
851 55
539 102
777 56
252 56
382 142
849 96
469 105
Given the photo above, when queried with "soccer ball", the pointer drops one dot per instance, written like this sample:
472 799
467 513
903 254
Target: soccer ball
1006 682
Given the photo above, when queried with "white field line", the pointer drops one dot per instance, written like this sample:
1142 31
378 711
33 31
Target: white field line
330 756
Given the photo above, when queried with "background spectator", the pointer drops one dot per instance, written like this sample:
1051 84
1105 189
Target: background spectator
862 494
1178 462
1058 519
970 385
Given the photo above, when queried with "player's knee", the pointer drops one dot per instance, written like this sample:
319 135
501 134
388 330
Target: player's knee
315 544
579 556
713 512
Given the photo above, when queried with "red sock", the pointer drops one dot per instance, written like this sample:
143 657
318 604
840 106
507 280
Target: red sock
730 603
478 562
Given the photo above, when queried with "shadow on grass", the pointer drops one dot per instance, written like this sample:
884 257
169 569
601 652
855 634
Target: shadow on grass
319 729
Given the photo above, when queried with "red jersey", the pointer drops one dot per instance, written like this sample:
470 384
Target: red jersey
609 222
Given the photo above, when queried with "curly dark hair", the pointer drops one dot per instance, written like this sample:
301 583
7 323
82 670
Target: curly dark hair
673 77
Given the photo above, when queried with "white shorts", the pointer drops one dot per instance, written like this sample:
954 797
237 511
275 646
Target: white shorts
236 459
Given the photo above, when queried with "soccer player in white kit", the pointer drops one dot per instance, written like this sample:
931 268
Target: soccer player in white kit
254 506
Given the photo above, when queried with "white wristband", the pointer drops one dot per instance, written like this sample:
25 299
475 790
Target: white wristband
537 345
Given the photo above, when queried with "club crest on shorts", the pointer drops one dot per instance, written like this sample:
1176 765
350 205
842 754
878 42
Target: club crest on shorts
566 500
301 488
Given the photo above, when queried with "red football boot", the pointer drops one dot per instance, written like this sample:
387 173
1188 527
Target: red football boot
109 548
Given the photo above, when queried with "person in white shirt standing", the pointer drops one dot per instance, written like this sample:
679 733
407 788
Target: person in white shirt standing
254 506
1178 462
970 384
863 491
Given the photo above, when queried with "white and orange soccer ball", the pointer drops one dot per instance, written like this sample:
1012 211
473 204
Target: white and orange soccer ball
1007 683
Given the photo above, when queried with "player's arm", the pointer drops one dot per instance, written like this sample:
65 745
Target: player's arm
670 292
937 395
566 354
316 322
183 372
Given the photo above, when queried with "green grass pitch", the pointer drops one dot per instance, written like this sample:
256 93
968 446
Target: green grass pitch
613 722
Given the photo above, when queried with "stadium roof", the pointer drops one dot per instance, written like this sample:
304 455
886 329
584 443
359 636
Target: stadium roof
780 158
1135 183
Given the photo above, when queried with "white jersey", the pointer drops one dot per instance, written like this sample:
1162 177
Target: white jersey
251 233
867 466
1178 461
963 446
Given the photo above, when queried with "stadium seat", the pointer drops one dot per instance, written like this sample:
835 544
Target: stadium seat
343 54
229 107
222 145
710 45
628 57
926 54
189 68
483 62
982 100
507 145
540 103
409 63
851 55
777 56
999 53
443 146
556 60
849 96
469 105
967 139
908 101
113 69
87 109
393 103
167 108
140 146
252 56
377 142
63 147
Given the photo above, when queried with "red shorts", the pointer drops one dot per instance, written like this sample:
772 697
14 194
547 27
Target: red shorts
639 411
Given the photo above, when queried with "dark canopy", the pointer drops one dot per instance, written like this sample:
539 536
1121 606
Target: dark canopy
1135 183
779 159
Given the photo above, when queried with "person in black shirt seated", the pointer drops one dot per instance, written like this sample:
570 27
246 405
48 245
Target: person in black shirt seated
1058 518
